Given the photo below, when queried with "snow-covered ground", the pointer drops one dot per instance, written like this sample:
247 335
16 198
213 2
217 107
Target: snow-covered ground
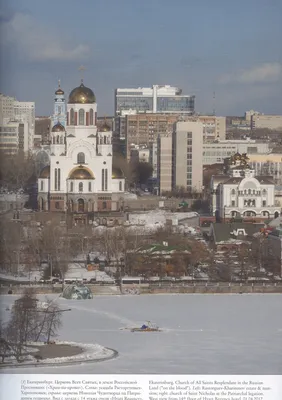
207 334
90 351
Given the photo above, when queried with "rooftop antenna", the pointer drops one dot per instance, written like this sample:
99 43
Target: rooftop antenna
213 103
82 69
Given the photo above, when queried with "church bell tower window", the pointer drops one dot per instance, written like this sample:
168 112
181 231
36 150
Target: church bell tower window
72 116
81 115
91 122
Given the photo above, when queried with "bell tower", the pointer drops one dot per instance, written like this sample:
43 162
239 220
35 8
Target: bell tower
59 114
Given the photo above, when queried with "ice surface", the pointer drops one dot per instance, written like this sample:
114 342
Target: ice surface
205 334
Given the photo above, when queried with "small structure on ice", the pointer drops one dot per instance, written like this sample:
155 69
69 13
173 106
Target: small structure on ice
77 292
149 327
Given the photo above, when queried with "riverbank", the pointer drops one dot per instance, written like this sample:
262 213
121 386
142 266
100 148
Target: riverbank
157 288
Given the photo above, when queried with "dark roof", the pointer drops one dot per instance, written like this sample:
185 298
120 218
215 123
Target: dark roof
239 167
232 180
222 232
265 179
220 178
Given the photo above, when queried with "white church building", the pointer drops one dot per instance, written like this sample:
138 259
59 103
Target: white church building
80 179
241 194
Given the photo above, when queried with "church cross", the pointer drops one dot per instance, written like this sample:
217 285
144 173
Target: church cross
82 69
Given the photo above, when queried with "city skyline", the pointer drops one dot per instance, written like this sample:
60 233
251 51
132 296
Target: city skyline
232 51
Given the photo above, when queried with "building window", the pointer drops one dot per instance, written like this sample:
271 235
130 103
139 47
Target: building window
81 117
56 179
72 116
104 205
89 187
232 203
91 119
233 191
106 179
120 186
59 178
57 205
264 203
103 179
42 186
80 205
80 187
105 139
71 187
81 158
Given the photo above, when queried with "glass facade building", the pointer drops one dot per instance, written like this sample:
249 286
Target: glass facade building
157 99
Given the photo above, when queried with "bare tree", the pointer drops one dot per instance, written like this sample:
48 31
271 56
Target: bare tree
17 170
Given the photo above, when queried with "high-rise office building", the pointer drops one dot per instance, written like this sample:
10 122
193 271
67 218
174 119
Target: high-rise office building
157 99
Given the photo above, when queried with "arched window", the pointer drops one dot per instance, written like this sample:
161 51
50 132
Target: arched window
80 187
120 186
249 191
81 158
62 140
101 139
41 186
105 139
89 187
71 187
59 109
81 115
264 192
91 117
72 116
80 205
233 191
58 139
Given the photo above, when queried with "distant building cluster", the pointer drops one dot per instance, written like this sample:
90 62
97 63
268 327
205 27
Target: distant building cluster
17 125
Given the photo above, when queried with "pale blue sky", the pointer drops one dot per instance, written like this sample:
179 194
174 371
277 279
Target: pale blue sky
231 47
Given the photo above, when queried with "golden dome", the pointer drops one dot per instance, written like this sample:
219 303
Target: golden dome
58 127
45 172
82 95
117 173
105 127
81 173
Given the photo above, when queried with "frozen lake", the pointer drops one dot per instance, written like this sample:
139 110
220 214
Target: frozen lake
202 334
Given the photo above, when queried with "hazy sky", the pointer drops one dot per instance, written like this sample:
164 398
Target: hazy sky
231 47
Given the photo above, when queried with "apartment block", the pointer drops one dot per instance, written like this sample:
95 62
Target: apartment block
13 137
187 160
164 163
12 111
144 129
